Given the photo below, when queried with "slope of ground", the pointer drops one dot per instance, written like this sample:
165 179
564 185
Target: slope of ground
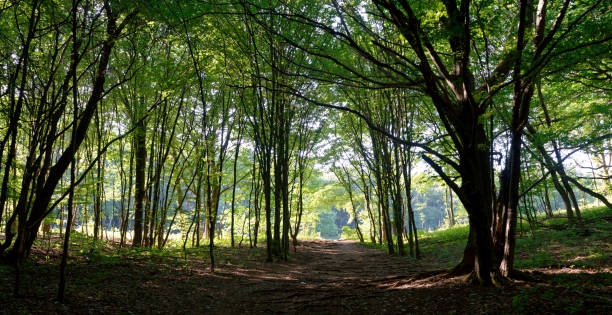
330 277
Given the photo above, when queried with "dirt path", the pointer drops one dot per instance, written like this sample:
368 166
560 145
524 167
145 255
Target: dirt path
323 277
344 277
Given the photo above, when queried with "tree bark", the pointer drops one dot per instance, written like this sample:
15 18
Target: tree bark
140 157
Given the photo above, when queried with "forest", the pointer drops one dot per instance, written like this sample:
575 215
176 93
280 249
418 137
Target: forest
305 156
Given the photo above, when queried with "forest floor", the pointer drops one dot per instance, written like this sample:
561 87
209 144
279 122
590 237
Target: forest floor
331 277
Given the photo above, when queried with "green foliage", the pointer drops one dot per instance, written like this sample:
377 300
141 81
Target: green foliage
326 225
445 245
561 246
557 244
209 72
445 236
349 234
382 247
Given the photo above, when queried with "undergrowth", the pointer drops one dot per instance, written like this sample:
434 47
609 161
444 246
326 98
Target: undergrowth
553 243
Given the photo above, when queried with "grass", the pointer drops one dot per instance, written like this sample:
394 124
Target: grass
102 252
553 243
573 262
440 246
444 247
556 243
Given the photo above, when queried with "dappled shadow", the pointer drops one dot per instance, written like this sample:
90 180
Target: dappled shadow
330 277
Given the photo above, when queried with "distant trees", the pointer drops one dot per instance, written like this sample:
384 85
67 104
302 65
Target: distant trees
204 114
446 53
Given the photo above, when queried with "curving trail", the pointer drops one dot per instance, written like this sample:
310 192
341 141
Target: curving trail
323 277
337 277
327 276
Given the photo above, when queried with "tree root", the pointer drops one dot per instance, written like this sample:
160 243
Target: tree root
497 280
524 276
500 281
461 269
441 274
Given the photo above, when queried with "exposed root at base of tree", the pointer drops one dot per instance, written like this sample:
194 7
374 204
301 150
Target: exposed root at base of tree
461 269
524 276
466 270
430 275
501 281
497 280
347 279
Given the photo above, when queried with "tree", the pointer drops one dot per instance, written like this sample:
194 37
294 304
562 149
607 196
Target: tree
33 204
345 179
462 87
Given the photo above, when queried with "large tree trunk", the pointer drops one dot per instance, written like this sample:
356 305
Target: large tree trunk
476 194
508 208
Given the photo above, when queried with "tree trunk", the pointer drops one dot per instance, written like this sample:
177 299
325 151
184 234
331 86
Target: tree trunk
407 171
140 157
397 202
234 184
265 169
46 188
99 178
